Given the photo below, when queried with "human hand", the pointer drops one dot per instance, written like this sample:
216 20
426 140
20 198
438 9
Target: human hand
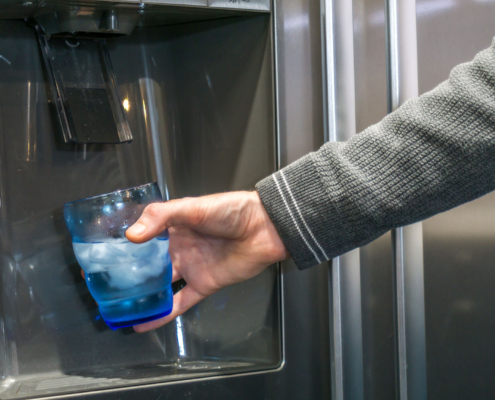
215 241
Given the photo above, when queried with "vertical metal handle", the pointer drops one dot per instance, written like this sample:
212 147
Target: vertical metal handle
402 76
340 125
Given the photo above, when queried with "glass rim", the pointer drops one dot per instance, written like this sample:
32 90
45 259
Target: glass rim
71 203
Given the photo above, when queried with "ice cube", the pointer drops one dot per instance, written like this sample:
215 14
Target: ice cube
106 253
93 268
125 277
162 249
155 267
125 264
136 273
81 250
145 250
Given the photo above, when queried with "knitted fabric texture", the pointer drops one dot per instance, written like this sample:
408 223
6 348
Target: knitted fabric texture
432 154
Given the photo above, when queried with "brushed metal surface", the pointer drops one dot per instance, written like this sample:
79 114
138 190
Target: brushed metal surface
402 73
300 77
376 257
345 282
203 3
88 14
459 244
258 5
347 332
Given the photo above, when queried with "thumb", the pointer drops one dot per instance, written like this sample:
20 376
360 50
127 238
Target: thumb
159 216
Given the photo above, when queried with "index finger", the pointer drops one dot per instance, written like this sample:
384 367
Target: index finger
159 216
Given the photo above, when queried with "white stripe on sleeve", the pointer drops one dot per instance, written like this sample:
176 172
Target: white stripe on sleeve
294 220
300 214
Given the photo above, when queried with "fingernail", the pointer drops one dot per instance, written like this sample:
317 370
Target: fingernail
137 229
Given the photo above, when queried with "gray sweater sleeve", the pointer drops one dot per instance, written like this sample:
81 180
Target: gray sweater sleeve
432 154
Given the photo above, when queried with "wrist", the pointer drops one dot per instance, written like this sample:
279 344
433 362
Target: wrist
276 250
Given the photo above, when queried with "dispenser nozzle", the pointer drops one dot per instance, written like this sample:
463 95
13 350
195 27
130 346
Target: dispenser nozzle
109 21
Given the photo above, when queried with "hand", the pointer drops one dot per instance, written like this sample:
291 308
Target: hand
215 241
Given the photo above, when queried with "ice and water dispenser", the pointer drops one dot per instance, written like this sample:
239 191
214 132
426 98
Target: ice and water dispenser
97 96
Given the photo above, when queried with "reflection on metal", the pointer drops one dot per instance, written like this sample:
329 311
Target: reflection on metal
89 19
31 101
110 21
402 75
278 166
260 5
328 59
153 107
80 152
180 337
337 368
346 327
90 16
430 8
277 84
400 308
340 117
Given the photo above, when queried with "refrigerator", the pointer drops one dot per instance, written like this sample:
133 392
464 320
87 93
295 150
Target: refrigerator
216 95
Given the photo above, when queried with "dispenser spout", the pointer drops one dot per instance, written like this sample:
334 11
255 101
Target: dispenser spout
109 21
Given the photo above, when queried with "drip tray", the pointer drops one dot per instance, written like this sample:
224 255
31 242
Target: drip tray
59 383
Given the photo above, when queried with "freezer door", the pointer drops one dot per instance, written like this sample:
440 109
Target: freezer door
211 107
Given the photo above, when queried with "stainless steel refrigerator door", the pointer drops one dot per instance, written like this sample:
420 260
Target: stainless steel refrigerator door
292 361
457 244
459 247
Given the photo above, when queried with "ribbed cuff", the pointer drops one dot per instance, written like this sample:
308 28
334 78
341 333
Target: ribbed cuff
295 200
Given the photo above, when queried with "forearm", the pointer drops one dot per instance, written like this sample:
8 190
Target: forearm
432 154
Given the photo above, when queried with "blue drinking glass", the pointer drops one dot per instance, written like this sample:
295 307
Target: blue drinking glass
130 282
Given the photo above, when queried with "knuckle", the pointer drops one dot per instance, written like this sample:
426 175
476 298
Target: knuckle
198 215
153 210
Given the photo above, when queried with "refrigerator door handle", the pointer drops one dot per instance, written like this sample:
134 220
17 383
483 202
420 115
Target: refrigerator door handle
345 274
402 83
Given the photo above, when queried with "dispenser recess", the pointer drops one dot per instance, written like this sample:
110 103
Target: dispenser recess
195 86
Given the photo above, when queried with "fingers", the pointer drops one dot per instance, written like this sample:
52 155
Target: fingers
160 216
183 301
175 275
